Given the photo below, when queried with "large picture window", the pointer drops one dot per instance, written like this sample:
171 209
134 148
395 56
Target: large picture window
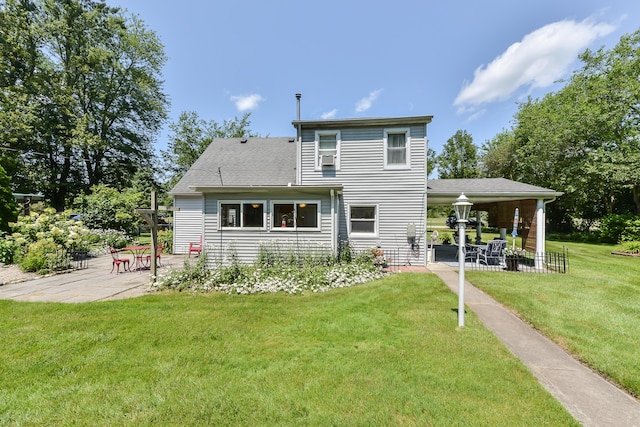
295 215
363 219
242 215
396 153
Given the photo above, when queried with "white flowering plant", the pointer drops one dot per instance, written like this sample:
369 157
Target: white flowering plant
277 269
514 252
36 237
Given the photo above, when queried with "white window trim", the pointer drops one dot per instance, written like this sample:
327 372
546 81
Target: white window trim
376 220
316 153
242 203
295 203
407 133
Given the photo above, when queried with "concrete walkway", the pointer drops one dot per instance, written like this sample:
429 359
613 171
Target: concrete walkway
95 283
592 400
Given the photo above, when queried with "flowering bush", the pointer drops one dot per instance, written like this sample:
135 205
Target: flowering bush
245 279
42 241
374 256
50 227
514 252
7 250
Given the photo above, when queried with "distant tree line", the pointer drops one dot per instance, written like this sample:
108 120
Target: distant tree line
81 106
583 140
81 99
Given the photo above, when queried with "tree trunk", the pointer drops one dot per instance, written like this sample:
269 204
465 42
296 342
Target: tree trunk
636 198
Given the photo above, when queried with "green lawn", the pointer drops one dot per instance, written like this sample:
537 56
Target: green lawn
384 353
594 311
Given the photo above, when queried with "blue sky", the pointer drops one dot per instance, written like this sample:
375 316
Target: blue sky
467 63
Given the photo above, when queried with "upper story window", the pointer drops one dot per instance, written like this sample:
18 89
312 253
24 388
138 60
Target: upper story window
396 149
242 215
296 215
327 149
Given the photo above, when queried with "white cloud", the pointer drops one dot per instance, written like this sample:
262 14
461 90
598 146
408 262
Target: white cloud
329 114
247 102
365 103
540 59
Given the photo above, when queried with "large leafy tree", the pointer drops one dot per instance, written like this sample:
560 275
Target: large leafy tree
609 91
108 208
190 136
431 160
584 139
81 95
8 206
500 157
459 157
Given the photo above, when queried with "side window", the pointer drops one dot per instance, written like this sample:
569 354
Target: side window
253 215
362 219
327 149
230 215
396 149
283 215
307 215
242 215
299 215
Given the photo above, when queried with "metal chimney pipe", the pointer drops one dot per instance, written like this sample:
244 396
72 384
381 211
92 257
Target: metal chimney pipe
299 144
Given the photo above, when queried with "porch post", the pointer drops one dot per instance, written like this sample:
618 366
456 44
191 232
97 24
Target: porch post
540 232
478 227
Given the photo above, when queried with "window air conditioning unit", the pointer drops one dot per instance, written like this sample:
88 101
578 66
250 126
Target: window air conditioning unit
327 160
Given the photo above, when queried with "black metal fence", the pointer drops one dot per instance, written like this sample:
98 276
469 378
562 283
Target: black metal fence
63 260
548 262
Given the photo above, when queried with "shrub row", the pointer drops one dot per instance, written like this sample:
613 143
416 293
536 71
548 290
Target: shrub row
276 270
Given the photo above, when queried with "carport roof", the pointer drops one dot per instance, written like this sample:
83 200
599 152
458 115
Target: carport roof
484 190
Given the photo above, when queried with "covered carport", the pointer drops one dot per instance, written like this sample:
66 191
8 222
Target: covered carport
500 197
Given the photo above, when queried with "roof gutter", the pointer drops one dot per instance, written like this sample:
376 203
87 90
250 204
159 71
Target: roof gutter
266 189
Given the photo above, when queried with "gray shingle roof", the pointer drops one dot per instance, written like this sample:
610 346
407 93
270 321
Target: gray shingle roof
228 162
445 191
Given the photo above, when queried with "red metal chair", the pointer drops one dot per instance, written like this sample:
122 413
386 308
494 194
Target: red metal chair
195 247
158 255
117 261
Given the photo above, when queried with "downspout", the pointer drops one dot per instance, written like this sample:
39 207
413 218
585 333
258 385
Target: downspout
425 205
299 143
333 222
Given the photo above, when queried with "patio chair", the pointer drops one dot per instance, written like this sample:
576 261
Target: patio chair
471 253
117 260
493 253
158 255
195 247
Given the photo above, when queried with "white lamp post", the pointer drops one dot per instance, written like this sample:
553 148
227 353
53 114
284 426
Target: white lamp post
463 208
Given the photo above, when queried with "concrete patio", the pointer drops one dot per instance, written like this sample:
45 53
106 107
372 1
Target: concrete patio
95 283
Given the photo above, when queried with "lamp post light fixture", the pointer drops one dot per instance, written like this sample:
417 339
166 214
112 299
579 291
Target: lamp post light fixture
462 206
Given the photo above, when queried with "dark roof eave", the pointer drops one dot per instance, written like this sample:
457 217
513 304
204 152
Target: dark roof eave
518 194
382 121
483 199
266 189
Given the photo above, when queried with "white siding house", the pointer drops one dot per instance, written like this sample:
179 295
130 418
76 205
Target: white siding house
361 181
381 165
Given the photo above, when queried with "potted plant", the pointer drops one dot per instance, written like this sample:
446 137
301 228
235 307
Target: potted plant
512 257
445 238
